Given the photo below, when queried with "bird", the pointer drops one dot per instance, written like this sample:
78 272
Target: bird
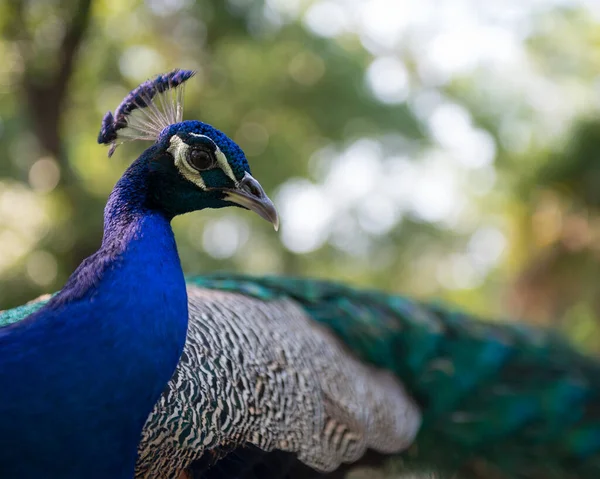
80 375
299 378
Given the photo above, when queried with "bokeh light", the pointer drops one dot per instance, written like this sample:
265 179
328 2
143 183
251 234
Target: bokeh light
428 147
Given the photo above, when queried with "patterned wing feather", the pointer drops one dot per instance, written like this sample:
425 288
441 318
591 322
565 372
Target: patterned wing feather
264 374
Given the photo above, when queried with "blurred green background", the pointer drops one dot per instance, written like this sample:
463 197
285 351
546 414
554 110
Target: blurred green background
439 148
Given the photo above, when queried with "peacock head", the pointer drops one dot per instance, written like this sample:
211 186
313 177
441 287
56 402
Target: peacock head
191 165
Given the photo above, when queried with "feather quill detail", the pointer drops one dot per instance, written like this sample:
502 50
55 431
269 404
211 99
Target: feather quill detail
146 111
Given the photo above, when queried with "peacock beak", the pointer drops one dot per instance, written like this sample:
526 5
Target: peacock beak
251 195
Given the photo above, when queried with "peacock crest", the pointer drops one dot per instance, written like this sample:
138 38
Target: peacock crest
146 111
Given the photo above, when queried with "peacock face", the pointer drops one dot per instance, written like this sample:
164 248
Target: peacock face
191 165
197 166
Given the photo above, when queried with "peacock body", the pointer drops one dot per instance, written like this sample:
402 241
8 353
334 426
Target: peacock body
79 376
280 372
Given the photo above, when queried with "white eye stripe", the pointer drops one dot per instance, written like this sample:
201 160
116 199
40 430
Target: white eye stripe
225 166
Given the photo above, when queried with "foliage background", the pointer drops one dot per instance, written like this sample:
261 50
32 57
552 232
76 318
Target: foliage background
440 148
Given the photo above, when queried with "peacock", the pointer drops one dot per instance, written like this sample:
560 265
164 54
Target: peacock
80 375
290 378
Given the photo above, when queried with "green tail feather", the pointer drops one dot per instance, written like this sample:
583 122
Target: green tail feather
498 399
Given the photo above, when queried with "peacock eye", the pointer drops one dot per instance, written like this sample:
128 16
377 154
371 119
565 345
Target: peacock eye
202 159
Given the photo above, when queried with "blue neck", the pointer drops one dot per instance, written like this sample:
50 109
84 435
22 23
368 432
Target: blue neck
80 376
127 206
127 218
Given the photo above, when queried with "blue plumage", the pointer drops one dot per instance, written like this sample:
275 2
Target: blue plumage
79 377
